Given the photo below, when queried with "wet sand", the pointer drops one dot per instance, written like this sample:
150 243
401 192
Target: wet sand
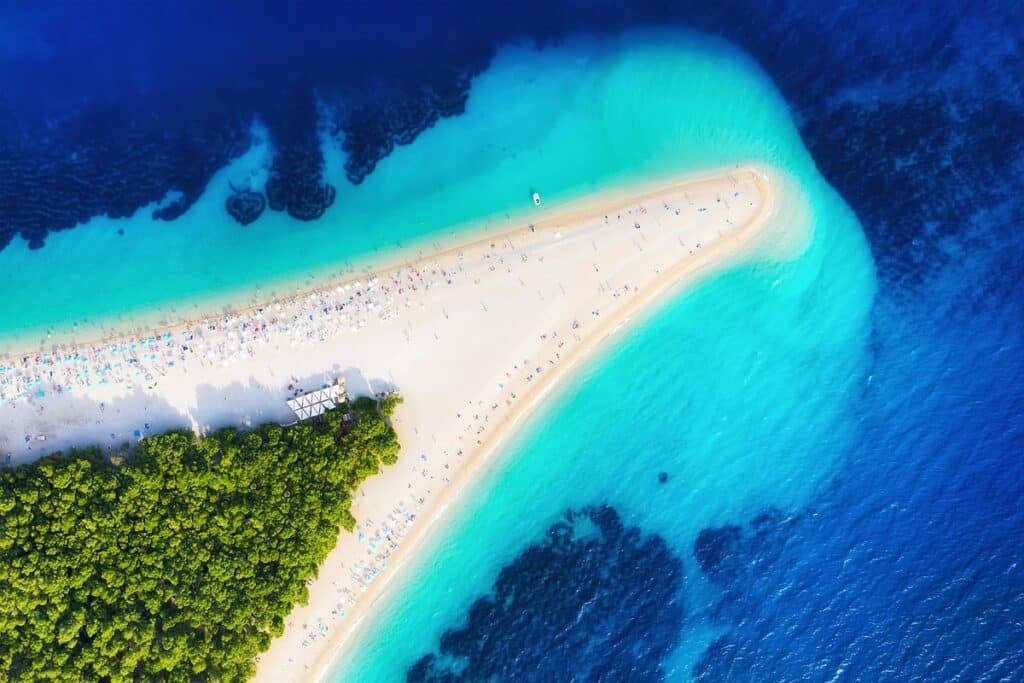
473 337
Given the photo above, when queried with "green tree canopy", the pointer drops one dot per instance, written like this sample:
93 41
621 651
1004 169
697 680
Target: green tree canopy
181 562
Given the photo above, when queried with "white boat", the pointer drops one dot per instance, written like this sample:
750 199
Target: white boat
536 199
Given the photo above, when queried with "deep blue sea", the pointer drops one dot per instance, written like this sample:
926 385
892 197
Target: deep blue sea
805 472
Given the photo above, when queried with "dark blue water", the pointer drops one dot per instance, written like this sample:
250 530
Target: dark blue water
910 565
106 107
611 609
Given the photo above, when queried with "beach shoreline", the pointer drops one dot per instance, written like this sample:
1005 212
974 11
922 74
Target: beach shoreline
500 323
491 454
492 450
252 296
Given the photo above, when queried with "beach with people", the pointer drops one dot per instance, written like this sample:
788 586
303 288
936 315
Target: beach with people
472 336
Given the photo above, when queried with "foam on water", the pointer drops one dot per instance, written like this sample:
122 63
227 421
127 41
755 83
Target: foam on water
735 391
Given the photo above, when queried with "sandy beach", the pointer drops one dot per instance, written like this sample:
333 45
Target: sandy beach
473 337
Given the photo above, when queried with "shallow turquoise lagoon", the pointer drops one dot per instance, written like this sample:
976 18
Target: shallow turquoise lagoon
565 121
735 389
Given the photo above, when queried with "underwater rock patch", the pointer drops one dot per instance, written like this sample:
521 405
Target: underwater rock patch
716 549
371 130
594 600
88 164
727 552
245 206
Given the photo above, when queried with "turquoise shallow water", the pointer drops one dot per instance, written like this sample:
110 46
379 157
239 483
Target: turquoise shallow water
735 390
566 122
881 457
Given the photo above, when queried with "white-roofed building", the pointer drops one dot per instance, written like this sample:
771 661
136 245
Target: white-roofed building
316 403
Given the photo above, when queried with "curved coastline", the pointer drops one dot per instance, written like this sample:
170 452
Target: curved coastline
246 300
754 241
110 277
477 294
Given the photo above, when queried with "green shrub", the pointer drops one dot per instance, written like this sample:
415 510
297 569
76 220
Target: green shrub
181 562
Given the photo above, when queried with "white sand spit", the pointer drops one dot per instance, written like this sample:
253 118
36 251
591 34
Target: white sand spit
472 337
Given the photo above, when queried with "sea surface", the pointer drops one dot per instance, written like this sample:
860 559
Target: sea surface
808 470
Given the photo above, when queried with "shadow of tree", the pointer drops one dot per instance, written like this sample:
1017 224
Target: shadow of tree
67 421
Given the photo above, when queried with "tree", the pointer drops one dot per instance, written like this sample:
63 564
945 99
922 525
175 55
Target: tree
181 561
